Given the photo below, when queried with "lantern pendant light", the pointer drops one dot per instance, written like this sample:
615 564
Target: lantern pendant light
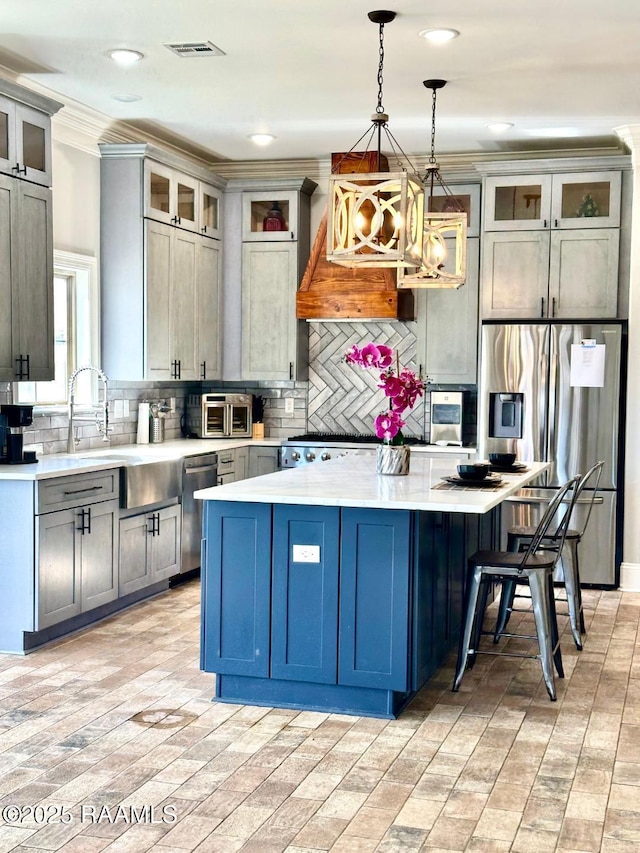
376 219
444 239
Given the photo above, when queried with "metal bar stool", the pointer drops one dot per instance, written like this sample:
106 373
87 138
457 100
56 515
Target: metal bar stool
534 565
518 538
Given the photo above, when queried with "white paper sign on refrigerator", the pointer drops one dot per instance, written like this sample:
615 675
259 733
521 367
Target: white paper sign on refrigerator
587 365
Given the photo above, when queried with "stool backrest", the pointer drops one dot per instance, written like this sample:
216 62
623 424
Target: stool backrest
592 480
565 494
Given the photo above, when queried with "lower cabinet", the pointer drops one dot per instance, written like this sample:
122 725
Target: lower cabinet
233 465
77 561
149 548
263 460
308 609
327 608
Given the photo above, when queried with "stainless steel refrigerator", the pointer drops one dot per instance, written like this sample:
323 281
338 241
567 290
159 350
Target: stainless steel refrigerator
544 395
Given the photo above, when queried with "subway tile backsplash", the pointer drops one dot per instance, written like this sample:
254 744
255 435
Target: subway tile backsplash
337 398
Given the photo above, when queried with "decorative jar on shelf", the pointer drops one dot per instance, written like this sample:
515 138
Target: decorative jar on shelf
274 220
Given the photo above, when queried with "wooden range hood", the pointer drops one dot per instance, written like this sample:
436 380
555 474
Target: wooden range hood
331 292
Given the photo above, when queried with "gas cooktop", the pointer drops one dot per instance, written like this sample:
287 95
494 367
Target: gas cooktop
346 438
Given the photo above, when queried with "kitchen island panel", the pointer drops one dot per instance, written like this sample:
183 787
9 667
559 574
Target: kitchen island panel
304 614
236 590
374 598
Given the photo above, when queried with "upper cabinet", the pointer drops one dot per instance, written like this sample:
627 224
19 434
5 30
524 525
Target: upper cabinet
267 243
25 135
459 196
161 266
550 244
573 200
26 235
176 198
270 216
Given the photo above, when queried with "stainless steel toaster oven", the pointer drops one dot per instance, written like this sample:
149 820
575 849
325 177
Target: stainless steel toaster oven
219 415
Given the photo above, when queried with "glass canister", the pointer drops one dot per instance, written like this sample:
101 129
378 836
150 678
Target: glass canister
274 220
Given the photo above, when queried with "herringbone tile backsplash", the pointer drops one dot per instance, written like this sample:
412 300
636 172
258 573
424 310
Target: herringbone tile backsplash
344 397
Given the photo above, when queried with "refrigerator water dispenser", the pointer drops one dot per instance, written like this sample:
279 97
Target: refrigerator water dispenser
505 415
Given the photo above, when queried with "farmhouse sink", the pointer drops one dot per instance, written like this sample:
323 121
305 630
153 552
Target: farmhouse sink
144 480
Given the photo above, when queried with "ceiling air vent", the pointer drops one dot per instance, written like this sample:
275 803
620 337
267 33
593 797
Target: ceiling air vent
191 49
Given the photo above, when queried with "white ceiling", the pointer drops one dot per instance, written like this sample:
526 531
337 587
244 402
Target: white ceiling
565 72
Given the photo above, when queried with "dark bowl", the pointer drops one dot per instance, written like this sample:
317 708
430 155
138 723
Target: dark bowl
503 459
473 471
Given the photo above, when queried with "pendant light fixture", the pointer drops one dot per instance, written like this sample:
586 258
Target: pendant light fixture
376 218
444 240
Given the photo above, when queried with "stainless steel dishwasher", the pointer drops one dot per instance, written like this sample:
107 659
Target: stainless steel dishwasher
199 472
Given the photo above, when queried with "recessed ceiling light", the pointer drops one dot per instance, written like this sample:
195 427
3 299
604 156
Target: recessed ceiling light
126 98
262 138
440 35
500 126
124 56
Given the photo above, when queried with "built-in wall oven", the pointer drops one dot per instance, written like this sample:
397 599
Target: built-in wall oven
219 415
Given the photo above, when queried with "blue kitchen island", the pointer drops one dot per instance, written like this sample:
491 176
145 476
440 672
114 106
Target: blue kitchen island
330 587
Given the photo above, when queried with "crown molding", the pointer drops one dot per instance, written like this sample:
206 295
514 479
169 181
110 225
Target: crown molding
82 127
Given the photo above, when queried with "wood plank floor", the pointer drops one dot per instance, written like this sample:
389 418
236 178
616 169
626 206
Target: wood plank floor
109 741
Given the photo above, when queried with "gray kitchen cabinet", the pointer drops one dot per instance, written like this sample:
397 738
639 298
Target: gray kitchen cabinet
76 556
262 275
26 281
26 235
447 327
149 548
455 197
176 198
568 273
161 294
263 460
25 133
233 465
551 241
172 312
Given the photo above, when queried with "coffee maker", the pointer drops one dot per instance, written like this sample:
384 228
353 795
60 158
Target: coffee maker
13 420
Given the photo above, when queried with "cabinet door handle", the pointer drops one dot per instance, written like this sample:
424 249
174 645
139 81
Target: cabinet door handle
21 372
153 529
204 229
290 370
203 370
176 220
542 306
175 369
157 517
85 521
18 170
82 491
556 223
292 235
544 223
553 307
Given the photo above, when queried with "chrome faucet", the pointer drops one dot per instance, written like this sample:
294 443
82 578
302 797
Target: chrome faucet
100 417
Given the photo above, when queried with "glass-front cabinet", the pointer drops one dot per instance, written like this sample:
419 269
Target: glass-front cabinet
25 142
572 200
269 216
209 202
171 196
455 198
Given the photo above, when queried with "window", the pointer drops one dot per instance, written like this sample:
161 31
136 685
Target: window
76 333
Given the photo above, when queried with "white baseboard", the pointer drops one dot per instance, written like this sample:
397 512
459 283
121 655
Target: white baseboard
630 577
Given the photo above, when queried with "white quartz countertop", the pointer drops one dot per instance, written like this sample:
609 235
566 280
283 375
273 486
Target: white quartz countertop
352 481
61 464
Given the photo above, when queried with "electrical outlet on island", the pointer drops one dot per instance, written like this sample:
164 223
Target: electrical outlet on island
288 405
